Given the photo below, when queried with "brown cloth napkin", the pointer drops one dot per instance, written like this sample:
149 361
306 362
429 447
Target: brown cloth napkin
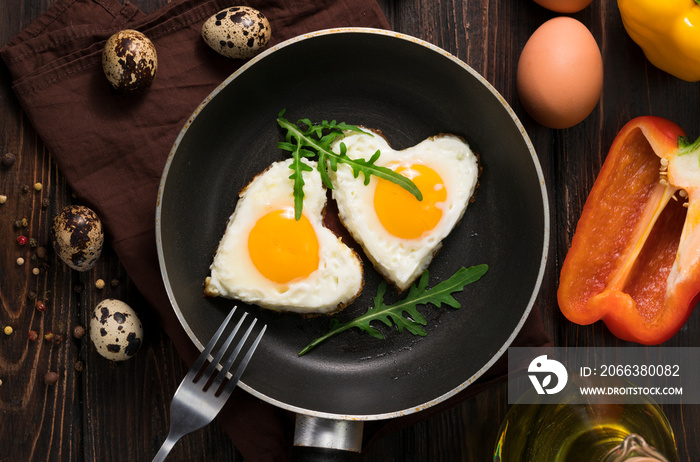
112 149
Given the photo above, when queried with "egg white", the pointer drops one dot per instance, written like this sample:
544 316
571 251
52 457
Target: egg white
400 260
336 282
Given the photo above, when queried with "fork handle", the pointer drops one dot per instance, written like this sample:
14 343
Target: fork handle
164 450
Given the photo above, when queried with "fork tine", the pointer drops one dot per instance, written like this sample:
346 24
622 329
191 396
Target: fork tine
220 353
232 357
197 365
228 389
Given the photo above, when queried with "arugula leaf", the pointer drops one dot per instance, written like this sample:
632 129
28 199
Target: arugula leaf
302 142
404 314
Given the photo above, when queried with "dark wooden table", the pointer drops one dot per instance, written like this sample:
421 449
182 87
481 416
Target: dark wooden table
102 411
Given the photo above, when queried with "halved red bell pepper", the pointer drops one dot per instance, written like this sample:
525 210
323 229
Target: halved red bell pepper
634 261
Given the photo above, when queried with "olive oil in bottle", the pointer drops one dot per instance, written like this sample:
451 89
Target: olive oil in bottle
584 432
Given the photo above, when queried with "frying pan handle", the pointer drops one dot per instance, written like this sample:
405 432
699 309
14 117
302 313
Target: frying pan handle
309 454
317 439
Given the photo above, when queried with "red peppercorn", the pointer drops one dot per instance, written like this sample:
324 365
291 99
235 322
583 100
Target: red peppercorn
40 305
57 338
33 335
21 240
48 336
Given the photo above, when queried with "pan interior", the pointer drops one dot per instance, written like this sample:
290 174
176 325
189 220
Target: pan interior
409 91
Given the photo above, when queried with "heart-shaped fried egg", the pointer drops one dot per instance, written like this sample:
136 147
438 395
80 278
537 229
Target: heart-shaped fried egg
269 258
397 232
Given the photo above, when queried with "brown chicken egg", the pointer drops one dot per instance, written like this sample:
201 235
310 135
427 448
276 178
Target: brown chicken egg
129 61
238 32
115 330
77 237
560 73
564 6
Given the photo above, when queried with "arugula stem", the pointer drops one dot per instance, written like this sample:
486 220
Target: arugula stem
326 336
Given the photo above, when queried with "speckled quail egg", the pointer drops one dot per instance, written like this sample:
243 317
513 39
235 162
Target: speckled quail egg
115 330
129 61
78 237
237 32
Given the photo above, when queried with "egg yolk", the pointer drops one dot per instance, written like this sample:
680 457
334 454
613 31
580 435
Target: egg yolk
283 249
400 212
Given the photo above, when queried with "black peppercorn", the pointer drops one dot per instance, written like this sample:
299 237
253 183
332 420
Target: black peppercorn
8 159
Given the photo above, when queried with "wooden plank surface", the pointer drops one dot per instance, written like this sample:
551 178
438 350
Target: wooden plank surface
102 411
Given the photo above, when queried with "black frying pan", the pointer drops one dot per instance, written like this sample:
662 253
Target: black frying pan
409 90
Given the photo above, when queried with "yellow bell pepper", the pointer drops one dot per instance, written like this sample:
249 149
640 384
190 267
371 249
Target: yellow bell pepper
668 31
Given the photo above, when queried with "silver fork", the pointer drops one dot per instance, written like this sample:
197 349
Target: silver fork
194 404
